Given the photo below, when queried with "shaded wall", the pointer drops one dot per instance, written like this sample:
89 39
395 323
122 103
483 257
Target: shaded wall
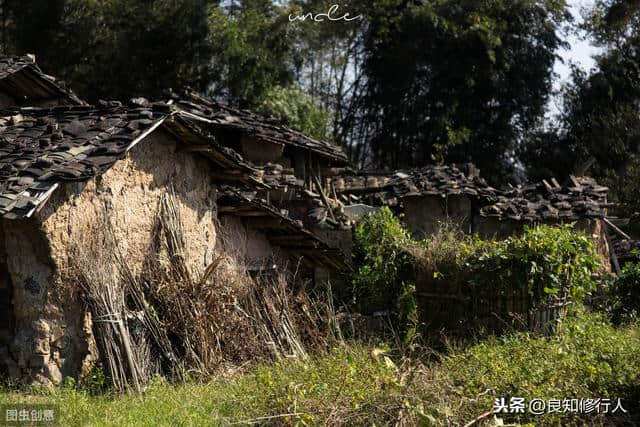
424 214
247 245
52 329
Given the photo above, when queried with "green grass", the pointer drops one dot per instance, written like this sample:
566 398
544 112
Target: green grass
356 384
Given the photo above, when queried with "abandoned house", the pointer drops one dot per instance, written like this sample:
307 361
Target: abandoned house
432 195
71 174
74 175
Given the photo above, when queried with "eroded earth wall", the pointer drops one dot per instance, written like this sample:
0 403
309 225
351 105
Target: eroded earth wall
52 334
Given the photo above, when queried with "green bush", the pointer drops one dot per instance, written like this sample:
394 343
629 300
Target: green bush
624 294
543 266
549 260
384 266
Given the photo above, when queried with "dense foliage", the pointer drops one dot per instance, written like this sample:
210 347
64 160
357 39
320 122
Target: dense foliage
252 43
597 131
549 260
114 49
625 294
384 266
552 265
458 80
296 109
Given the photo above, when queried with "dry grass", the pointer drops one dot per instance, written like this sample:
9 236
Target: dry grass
182 323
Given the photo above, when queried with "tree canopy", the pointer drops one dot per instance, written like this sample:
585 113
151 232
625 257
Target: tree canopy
452 80
411 83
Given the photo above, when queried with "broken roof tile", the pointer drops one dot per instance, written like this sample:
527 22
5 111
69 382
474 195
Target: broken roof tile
24 81
267 129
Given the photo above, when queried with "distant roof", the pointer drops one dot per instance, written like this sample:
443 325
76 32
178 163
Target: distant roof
40 147
24 81
440 181
267 129
582 197
382 187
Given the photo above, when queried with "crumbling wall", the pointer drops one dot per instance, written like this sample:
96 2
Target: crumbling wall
53 337
42 347
248 245
129 193
594 227
424 214
495 228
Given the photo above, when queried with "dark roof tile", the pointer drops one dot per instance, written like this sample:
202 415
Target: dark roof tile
223 116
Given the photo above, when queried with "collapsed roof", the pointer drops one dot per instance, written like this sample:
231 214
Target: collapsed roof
279 228
581 198
25 82
222 116
390 187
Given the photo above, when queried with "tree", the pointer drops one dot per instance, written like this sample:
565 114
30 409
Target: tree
252 46
599 124
296 109
114 49
458 80
328 64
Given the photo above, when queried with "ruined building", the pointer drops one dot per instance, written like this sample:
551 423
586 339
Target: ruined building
70 171
429 196
71 174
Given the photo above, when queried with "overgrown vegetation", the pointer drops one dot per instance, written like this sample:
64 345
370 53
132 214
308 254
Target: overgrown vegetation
357 384
624 294
545 267
550 260
383 262
174 320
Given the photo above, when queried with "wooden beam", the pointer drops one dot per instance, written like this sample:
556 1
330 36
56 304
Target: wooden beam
616 229
612 252
252 213
324 196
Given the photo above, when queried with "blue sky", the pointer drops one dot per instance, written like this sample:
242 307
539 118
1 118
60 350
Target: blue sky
580 53
581 50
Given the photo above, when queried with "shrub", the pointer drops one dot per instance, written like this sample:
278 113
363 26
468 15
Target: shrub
499 284
624 294
384 266
549 260
493 283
